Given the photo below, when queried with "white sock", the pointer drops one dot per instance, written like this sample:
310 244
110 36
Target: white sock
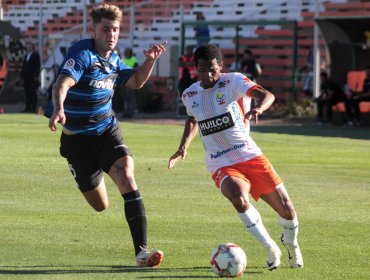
290 230
253 221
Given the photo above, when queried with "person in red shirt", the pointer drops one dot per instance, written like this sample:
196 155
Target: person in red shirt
187 71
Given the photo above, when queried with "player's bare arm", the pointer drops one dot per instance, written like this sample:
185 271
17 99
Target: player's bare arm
60 89
190 131
265 100
142 73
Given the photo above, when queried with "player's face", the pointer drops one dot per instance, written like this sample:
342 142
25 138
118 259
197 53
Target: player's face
106 34
208 72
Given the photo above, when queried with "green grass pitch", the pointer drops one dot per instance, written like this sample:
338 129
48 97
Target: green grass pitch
48 231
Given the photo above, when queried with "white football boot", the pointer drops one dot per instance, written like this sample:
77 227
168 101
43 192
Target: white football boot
295 256
147 258
273 257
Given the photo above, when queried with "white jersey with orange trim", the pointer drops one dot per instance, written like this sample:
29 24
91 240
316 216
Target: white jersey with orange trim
220 112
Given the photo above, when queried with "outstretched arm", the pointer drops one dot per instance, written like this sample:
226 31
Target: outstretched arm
143 72
265 100
190 131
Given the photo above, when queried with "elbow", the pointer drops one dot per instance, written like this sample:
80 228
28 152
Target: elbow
272 98
139 85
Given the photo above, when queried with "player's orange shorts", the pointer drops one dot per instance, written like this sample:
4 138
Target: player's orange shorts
258 172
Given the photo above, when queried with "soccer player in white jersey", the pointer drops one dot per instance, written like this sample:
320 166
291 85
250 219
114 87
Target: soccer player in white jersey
91 139
218 106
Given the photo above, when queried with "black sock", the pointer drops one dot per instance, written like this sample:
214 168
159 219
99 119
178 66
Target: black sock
136 219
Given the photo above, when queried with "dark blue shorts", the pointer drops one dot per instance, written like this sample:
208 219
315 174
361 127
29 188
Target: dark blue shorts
89 155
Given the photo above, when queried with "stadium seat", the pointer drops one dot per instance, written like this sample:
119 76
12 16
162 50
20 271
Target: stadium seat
355 80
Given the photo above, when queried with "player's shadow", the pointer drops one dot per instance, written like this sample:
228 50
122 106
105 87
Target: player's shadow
166 273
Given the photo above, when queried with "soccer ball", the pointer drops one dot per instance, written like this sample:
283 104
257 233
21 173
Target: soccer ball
228 260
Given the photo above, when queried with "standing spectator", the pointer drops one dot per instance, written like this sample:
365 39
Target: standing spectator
201 31
307 74
30 74
249 66
330 94
187 71
129 95
92 140
357 98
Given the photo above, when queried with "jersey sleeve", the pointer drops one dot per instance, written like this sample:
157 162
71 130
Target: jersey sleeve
242 85
185 99
75 63
124 73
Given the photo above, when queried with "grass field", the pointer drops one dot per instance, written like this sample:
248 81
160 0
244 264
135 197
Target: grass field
47 230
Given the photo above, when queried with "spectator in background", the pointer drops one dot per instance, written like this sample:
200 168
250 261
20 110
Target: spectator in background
201 31
30 75
357 98
187 71
129 95
307 74
235 65
249 66
330 94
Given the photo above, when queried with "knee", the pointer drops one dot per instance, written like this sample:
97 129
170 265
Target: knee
288 212
240 203
127 182
100 206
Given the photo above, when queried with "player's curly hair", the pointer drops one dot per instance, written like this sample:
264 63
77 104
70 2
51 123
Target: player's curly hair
111 12
207 52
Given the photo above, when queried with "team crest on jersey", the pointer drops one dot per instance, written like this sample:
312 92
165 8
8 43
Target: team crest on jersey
220 98
69 65
223 84
189 94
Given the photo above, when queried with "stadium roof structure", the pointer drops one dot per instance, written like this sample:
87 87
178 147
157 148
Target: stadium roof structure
348 41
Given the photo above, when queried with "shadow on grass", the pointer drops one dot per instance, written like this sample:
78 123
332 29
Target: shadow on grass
96 269
311 130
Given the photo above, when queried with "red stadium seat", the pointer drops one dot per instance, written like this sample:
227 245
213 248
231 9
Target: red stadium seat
355 80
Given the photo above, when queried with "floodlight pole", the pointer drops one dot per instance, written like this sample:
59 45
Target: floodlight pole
182 28
41 35
316 53
132 23
1 10
84 21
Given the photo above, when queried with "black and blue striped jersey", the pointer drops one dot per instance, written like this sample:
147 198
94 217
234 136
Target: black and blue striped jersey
88 105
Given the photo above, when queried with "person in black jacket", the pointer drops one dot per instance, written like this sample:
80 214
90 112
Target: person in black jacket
30 75
330 94
249 65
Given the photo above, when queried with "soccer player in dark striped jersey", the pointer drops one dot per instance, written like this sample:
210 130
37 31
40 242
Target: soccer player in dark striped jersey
91 138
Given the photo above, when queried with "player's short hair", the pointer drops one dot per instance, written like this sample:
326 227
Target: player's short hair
207 52
111 12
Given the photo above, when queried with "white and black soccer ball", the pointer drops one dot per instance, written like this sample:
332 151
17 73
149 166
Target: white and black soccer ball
228 260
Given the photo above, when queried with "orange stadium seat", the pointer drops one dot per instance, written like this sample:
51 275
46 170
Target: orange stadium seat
365 107
355 80
3 73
